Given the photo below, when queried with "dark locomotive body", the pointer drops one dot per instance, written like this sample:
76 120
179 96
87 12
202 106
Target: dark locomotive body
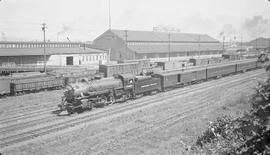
86 95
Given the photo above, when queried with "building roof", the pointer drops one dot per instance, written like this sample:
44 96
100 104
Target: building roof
260 43
49 51
163 48
150 36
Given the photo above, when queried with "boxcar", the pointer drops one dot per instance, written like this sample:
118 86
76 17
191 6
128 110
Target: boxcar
192 75
220 70
168 80
145 84
4 85
124 68
198 62
176 78
169 65
246 65
231 57
143 63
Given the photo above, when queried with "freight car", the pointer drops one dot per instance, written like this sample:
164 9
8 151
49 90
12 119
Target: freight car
4 86
123 68
20 83
36 84
86 95
10 86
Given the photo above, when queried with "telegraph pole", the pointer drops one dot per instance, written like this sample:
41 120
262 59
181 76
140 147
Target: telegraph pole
110 15
169 45
269 45
44 45
199 45
256 44
241 44
126 35
223 44
109 55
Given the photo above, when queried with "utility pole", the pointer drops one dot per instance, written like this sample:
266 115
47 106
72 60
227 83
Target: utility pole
44 46
169 45
223 49
126 36
269 45
199 45
109 55
256 44
110 15
241 44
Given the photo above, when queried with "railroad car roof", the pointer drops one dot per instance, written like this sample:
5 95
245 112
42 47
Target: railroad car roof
120 64
226 63
231 63
179 72
197 68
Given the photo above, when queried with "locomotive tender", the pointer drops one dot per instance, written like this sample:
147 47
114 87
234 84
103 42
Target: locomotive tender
88 94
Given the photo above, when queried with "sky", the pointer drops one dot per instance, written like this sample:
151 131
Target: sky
85 20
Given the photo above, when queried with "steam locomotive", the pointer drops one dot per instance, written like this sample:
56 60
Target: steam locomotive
88 94
122 87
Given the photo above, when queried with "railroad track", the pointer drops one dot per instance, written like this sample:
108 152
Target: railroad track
142 130
23 117
23 124
27 135
26 110
15 110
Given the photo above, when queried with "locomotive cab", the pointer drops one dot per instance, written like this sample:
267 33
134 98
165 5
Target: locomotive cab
128 80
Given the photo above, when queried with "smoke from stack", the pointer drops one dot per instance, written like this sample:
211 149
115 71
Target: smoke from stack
228 31
256 25
3 36
64 30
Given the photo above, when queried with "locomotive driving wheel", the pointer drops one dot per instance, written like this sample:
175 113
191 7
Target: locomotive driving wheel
103 100
112 100
69 110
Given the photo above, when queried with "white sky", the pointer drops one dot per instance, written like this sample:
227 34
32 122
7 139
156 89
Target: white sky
84 20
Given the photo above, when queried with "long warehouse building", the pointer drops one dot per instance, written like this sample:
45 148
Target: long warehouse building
128 45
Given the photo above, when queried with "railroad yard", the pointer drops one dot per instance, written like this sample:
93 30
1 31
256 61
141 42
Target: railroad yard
164 123
134 77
